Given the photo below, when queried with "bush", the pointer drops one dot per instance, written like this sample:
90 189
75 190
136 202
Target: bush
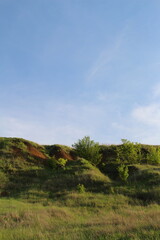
128 152
123 172
57 163
88 149
81 188
153 157
61 163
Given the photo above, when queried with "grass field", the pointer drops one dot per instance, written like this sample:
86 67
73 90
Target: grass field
79 216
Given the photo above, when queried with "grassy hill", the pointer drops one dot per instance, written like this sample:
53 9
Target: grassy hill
41 200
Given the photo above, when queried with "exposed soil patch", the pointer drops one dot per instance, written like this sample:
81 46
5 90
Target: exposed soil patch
63 154
34 152
59 152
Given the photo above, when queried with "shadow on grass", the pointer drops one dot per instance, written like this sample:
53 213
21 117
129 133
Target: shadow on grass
49 183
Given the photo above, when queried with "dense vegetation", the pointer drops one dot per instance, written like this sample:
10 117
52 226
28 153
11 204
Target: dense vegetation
52 192
88 149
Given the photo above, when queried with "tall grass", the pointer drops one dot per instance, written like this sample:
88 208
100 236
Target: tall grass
79 216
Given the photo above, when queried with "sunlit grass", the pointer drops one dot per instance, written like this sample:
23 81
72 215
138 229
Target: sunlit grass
79 216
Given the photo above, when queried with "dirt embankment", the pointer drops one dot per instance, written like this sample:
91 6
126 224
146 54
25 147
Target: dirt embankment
34 151
59 151
31 150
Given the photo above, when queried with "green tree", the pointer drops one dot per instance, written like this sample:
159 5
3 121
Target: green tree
153 157
88 149
128 152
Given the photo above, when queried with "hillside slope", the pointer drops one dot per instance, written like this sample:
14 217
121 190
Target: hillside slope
40 199
20 153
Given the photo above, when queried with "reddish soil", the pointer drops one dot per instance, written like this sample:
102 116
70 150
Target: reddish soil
59 152
63 154
35 152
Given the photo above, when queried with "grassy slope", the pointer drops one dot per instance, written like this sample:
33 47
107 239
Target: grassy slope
44 203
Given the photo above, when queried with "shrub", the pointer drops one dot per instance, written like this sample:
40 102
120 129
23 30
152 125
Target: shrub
88 149
57 163
61 163
81 188
123 172
153 157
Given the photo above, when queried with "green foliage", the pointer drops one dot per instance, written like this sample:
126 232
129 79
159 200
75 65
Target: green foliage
128 152
153 157
88 149
61 163
81 188
57 163
123 172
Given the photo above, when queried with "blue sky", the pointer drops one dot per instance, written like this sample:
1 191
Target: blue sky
70 68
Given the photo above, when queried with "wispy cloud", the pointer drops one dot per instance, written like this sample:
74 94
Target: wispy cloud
39 132
106 57
142 122
64 122
61 123
149 114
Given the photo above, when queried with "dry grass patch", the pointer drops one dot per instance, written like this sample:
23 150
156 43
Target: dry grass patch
126 221
39 217
14 219
60 213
